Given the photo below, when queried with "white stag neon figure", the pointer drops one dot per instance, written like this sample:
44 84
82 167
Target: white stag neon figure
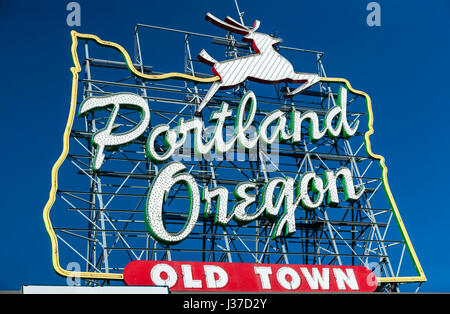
265 66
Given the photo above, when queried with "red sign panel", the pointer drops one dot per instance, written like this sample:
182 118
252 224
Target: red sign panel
203 276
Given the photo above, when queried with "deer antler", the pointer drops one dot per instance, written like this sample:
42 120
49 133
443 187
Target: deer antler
235 27
232 21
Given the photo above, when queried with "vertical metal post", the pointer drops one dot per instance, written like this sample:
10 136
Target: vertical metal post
97 181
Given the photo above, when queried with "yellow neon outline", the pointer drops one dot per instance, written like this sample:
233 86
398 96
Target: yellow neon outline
115 276
158 77
421 275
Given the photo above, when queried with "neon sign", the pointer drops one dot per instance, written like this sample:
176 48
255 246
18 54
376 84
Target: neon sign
237 204
228 277
291 194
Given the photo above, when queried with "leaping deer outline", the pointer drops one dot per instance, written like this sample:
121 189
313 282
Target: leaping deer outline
265 66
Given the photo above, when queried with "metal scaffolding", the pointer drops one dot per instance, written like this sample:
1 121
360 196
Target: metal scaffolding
100 215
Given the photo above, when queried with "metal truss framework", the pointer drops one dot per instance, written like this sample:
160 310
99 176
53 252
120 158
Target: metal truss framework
109 204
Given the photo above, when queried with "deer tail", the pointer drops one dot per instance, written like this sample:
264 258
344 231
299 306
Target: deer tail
204 57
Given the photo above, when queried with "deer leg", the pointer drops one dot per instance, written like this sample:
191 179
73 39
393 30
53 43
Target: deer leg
212 90
311 80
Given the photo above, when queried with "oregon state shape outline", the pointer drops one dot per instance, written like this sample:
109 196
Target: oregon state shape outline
76 69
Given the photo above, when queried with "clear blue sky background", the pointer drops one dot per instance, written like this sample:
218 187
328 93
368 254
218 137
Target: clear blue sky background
403 65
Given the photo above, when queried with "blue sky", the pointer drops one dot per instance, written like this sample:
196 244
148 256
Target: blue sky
402 65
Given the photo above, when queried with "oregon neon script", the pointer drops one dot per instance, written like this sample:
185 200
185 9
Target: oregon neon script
308 192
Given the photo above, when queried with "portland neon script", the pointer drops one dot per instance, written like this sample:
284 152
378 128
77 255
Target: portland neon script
309 192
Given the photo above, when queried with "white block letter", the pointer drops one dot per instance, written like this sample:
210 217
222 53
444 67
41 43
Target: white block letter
316 278
189 282
211 281
347 278
292 284
172 276
264 273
